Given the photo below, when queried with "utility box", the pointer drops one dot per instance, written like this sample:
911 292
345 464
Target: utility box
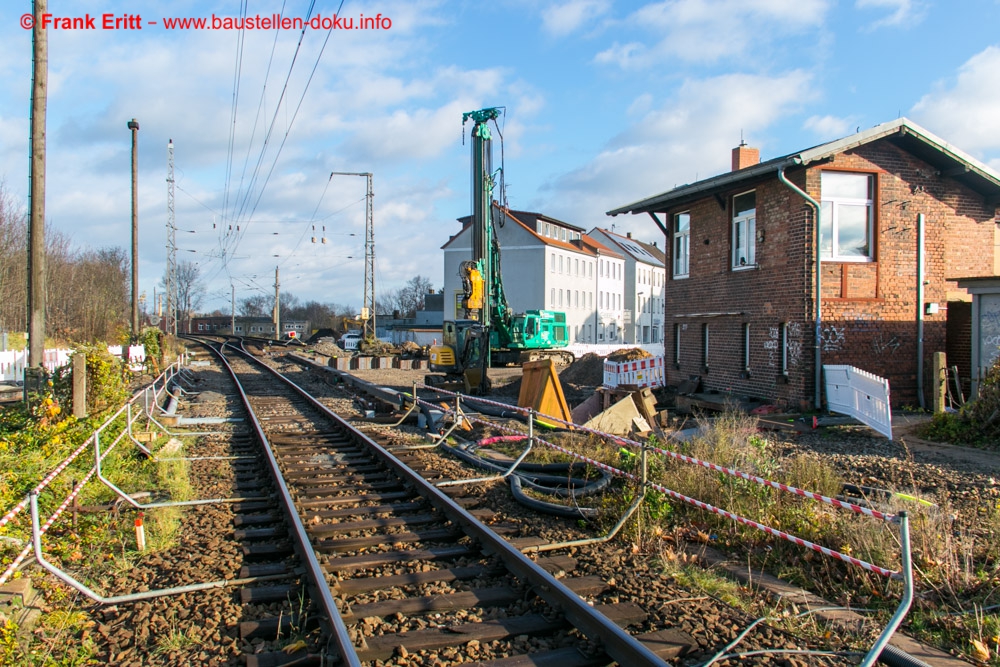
985 325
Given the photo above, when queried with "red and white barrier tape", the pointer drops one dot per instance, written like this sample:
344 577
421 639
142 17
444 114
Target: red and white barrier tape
852 507
710 508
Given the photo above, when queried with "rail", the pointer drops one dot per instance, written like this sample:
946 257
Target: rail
617 643
906 566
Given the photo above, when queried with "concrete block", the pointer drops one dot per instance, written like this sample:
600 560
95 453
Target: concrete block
620 419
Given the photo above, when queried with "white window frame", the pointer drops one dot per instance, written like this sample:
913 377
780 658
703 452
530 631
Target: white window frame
682 246
745 243
834 212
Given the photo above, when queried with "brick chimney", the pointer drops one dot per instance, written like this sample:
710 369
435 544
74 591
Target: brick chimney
745 156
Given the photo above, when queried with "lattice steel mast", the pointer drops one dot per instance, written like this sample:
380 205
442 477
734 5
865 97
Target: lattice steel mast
171 323
368 310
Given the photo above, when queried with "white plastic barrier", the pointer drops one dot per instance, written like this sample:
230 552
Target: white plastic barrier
639 373
860 394
13 362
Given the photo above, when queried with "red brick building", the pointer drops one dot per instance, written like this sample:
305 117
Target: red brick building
741 297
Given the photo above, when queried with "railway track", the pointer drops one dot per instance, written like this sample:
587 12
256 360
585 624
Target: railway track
375 540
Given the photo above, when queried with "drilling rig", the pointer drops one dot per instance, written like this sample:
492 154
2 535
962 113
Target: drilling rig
490 331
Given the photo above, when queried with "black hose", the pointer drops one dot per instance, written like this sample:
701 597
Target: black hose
895 657
548 484
548 508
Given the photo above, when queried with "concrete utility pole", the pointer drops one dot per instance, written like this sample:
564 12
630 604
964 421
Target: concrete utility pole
277 305
133 125
36 190
232 311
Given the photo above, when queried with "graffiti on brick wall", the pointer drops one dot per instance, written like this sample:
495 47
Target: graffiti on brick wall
832 338
881 345
771 346
794 344
793 339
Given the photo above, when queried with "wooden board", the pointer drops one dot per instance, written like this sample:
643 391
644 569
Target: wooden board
541 390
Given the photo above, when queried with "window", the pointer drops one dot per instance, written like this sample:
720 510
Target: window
560 298
746 346
845 221
704 346
744 229
784 348
576 266
552 263
552 298
560 264
682 244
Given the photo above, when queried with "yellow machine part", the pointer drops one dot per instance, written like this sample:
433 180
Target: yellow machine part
474 300
442 356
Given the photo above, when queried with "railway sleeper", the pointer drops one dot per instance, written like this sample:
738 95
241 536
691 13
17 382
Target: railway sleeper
388 557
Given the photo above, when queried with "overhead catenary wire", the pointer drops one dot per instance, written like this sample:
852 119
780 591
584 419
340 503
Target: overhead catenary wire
237 76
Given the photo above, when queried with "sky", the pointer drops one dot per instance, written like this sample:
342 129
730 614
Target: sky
604 103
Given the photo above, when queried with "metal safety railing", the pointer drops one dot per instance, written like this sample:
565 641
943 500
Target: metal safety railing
38 528
905 573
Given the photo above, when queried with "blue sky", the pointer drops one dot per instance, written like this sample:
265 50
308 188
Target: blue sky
606 102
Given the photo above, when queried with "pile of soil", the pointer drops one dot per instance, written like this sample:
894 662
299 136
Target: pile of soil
630 354
328 348
588 371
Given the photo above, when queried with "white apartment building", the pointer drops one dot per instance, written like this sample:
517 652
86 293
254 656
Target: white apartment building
548 264
645 280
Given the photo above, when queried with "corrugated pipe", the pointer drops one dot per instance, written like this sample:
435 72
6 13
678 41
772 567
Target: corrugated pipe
895 657
817 354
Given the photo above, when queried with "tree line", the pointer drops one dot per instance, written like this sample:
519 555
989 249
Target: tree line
88 293
86 290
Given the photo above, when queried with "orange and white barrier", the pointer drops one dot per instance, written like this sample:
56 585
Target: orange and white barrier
639 373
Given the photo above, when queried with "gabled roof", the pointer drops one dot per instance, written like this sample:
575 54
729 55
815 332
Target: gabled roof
639 251
584 244
906 134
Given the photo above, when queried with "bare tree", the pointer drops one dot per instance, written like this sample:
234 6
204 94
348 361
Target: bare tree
13 263
257 305
190 290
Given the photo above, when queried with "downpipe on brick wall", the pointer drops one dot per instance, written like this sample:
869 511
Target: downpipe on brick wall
817 352
920 310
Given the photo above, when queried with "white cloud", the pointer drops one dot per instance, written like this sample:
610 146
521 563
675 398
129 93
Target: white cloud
903 13
966 111
707 31
828 127
568 17
687 139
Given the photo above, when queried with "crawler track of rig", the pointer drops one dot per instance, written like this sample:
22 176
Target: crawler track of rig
375 539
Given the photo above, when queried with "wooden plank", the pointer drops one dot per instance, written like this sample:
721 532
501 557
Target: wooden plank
384 558
669 643
483 597
557 565
263 594
367 584
353 543
584 586
384 647
355 499
541 390
562 657
623 614
367 510
370 524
